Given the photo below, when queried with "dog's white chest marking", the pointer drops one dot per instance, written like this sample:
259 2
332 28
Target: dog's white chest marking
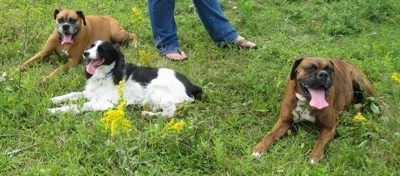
63 53
302 111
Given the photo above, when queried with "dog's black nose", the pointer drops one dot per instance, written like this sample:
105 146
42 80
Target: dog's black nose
65 27
86 53
322 74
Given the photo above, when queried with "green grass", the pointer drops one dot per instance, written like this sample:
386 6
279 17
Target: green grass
242 93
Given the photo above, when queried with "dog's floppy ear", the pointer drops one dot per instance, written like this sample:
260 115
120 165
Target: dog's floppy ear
120 65
56 12
82 16
294 67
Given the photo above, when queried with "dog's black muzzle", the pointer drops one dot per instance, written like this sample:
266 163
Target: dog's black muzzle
321 79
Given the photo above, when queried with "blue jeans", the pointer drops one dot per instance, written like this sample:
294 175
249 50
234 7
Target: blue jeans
164 28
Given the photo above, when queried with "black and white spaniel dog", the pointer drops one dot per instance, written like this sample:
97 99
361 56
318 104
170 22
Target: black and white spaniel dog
160 88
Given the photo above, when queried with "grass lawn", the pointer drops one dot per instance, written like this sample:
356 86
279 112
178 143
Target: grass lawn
242 93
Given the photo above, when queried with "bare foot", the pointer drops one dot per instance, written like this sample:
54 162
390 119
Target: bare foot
244 44
176 56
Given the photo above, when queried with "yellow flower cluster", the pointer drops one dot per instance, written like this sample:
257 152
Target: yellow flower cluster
360 119
396 78
144 57
174 126
114 119
137 16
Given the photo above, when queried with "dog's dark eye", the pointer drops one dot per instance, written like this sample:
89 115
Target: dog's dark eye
328 69
72 21
60 20
310 68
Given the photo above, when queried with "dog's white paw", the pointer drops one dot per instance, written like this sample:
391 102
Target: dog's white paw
148 113
57 110
71 108
256 154
56 100
145 113
53 110
313 162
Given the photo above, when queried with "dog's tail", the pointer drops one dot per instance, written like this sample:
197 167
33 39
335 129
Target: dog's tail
196 92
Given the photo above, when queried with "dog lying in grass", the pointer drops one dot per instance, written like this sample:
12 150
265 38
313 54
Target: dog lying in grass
317 91
74 32
160 88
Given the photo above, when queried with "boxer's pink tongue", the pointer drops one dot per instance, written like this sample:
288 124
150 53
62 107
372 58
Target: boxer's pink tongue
93 64
318 99
67 39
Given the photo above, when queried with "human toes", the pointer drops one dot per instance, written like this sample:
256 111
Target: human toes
176 56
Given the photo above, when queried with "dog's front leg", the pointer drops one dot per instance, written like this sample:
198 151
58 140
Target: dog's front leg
326 122
317 154
71 62
48 48
282 125
74 57
69 108
67 97
97 105
280 128
92 105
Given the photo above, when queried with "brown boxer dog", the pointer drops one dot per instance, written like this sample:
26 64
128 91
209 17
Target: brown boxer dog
318 89
74 32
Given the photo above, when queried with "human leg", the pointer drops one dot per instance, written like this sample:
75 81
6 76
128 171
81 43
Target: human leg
217 26
162 21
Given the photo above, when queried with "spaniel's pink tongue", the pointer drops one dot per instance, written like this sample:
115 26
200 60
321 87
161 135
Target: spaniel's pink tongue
67 39
318 99
91 67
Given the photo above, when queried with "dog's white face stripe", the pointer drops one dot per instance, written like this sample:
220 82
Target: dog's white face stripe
93 50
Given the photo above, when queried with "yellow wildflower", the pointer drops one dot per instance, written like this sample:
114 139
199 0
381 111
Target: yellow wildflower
114 119
137 16
146 107
144 57
396 78
173 126
120 89
360 118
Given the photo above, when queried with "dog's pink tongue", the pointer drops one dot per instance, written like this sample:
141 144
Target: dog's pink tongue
67 39
318 99
91 67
